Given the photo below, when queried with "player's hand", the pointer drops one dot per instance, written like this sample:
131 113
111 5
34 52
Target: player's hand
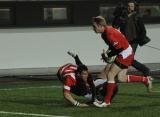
71 54
111 59
105 57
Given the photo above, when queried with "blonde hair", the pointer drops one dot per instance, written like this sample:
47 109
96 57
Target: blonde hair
100 20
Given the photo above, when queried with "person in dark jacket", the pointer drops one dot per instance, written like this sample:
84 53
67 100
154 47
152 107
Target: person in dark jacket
132 26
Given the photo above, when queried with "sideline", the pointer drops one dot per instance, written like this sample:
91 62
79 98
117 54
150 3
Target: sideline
29 114
8 89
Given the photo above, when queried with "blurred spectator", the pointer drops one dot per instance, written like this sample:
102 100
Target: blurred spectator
147 13
133 28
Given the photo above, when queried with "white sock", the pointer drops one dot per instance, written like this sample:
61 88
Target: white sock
99 82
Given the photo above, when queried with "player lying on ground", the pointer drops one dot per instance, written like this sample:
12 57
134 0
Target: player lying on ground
77 80
99 83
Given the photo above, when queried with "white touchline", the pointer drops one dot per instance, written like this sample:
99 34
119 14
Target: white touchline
7 89
156 91
30 114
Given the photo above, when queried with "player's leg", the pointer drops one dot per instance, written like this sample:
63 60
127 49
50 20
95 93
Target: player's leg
123 77
114 70
141 67
101 90
103 73
114 92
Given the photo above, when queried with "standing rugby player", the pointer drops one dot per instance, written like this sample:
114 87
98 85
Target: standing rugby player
119 46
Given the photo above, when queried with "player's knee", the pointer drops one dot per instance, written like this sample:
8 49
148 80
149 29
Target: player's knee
111 75
122 77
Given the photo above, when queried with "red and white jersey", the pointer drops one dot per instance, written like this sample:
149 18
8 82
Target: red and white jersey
67 73
116 40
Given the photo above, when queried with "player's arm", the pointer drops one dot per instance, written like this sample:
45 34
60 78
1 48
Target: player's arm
114 46
70 99
74 102
114 52
68 96
76 58
108 58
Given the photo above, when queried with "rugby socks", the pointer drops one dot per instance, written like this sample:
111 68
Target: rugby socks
134 78
110 88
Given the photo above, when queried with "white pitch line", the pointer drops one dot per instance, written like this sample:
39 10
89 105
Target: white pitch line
30 88
155 91
30 114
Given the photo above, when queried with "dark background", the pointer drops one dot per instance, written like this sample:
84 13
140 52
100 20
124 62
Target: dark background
29 13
